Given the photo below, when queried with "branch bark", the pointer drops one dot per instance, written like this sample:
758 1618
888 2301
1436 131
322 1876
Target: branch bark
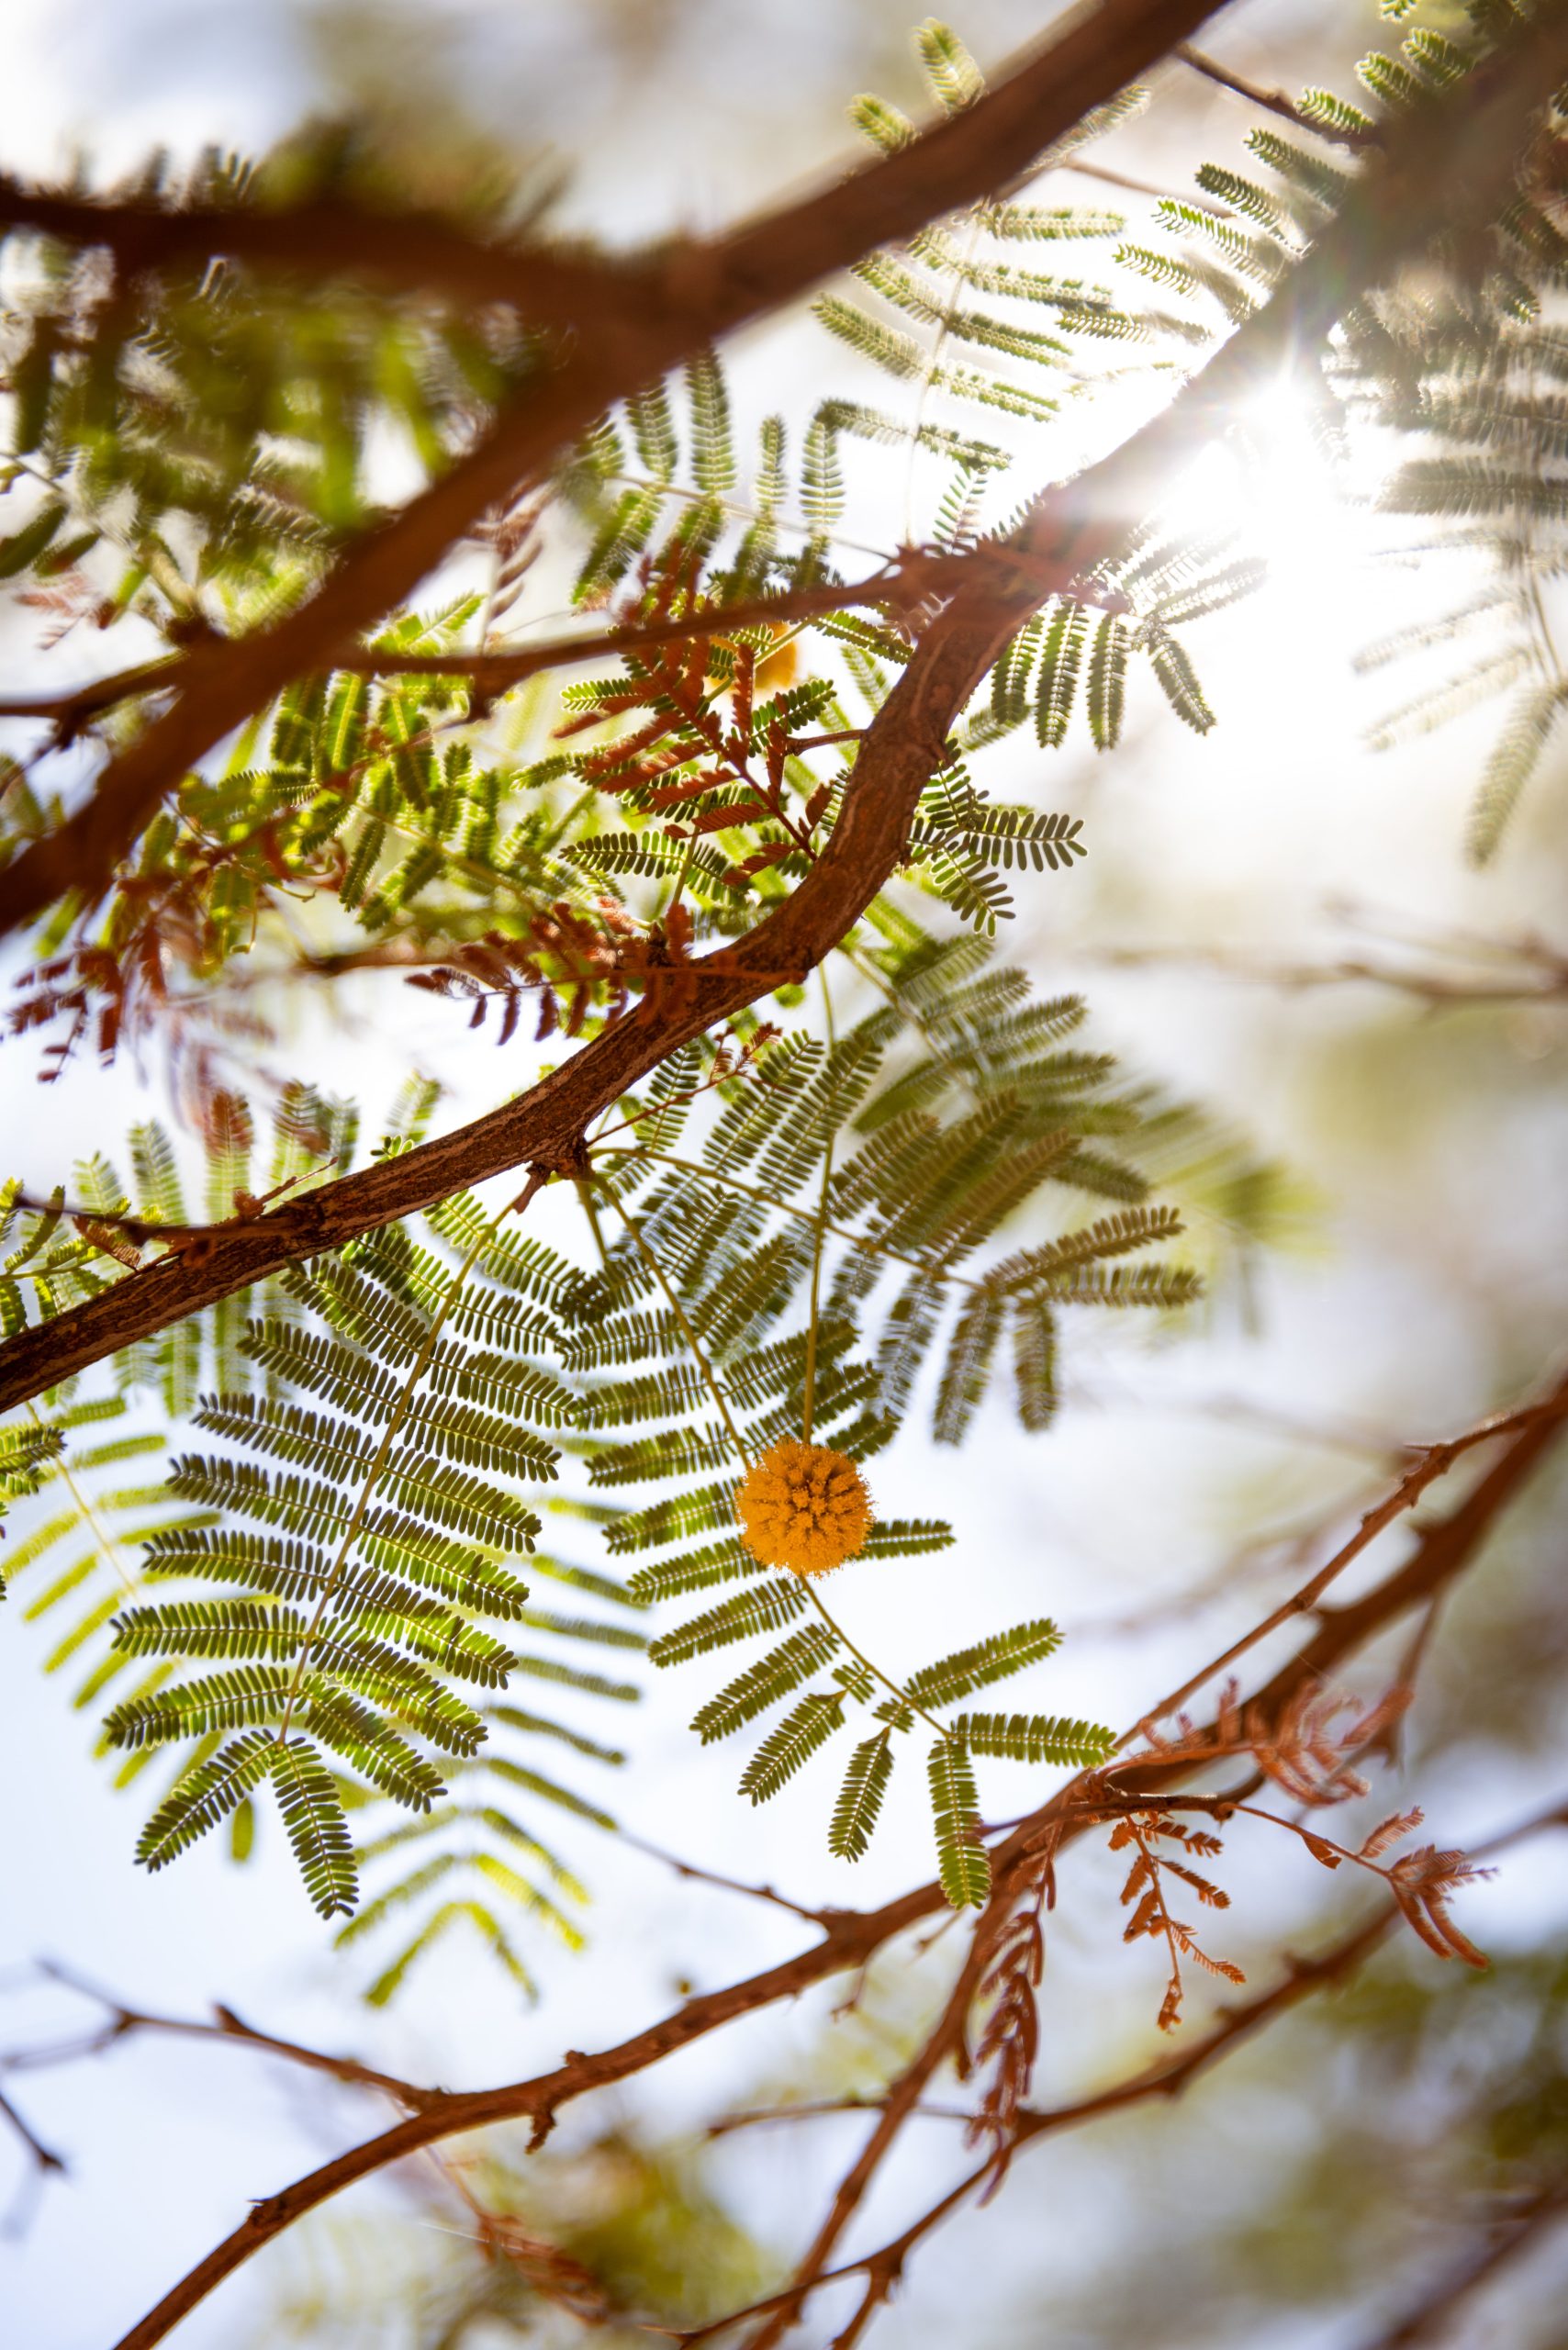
850 1938
701 293
122 2021
1236 2026
1451 160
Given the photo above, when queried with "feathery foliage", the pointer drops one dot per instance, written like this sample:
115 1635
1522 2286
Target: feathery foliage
832 1229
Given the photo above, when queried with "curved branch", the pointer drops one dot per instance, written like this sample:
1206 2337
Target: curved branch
1235 2027
1450 160
696 294
901 582
849 1940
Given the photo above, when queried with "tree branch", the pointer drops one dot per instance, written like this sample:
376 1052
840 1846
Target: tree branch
1429 2322
1276 102
901 2101
1167 2078
1454 157
701 293
1541 976
42 2158
850 1938
690 1869
122 2021
901 582
1434 1460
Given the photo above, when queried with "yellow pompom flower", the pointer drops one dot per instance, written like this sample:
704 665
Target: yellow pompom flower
803 1506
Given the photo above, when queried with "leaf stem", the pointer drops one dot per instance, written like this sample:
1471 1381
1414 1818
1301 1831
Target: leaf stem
699 1352
537 1177
808 1394
83 1504
710 1380
901 1694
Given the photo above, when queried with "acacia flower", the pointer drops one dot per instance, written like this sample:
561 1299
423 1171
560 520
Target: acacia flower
803 1506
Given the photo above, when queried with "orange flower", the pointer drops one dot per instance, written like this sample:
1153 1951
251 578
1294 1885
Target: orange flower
803 1506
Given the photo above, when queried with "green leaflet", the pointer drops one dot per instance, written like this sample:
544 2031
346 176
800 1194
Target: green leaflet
1106 683
1061 656
340 1628
764 1608
860 1799
796 1740
761 1685
328 1599
993 1659
1034 1738
962 1861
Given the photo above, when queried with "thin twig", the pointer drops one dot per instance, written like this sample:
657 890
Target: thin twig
1434 1461
43 2158
1276 102
727 1884
122 2021
1460 149
629 325
848 1940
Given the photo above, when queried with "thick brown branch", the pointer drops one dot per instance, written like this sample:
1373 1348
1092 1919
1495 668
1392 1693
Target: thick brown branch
707 292
848 1943
71 711
1456 155
552 286
850 1940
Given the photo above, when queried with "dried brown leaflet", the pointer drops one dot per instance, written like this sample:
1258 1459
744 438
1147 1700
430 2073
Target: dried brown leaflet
1453 159
619 333
850 1938
1030 1850
1236 2026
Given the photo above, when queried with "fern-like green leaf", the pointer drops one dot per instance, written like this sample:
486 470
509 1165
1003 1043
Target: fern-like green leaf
993 1659
860 1799
963 1862
795 1741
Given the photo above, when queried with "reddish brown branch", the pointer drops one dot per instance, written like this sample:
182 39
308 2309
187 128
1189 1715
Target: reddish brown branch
1459 150
702 294
121 2022
1167 2078
901 582
900 2101
849 1939
553 285
1433 1461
